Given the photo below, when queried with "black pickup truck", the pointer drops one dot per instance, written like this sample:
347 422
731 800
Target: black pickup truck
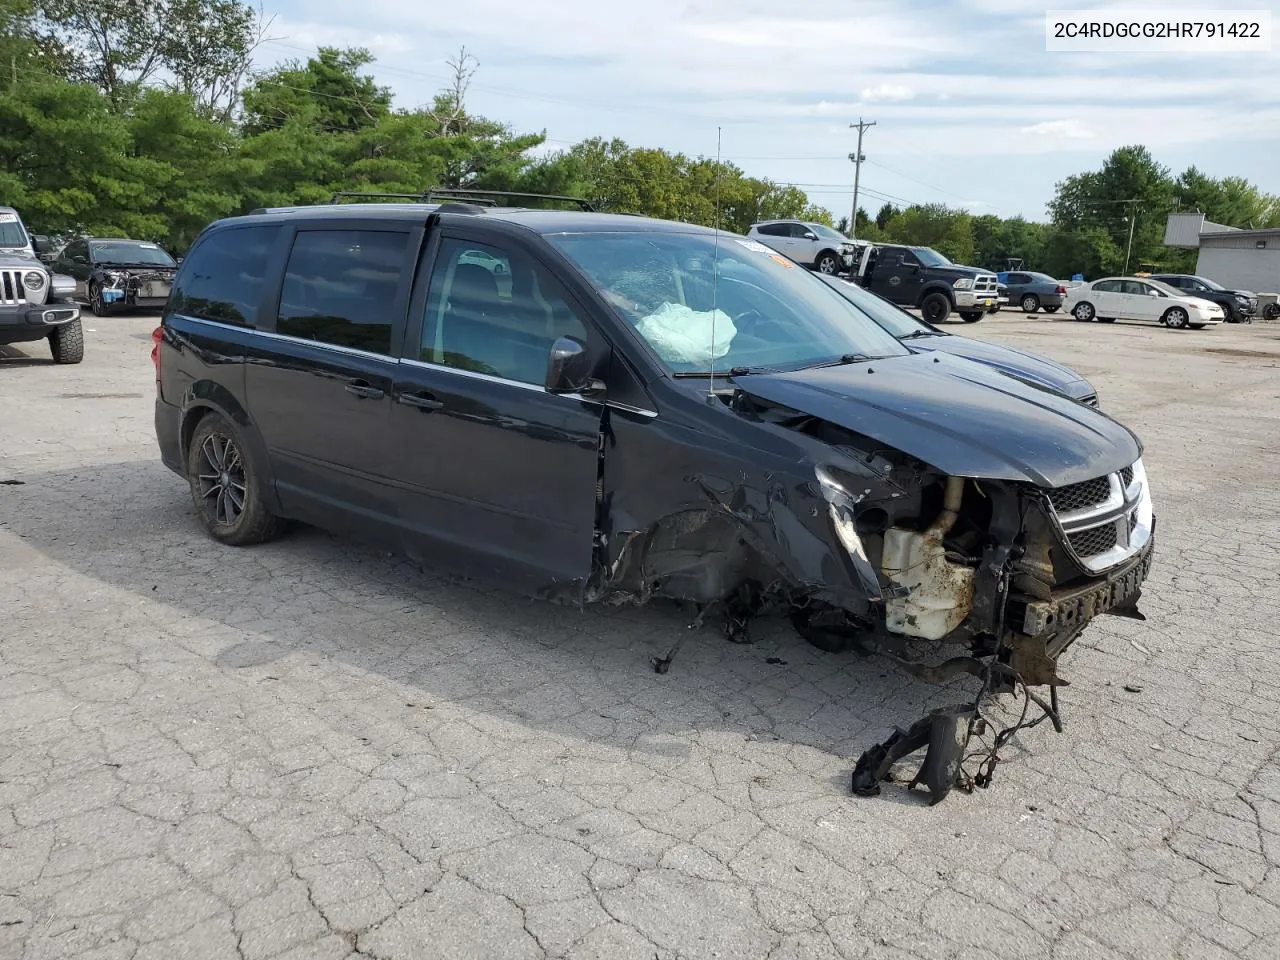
922 277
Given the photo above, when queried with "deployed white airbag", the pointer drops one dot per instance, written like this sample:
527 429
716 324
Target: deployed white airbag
682 335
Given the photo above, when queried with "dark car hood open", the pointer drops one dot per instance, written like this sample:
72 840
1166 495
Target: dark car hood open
1039 370
958 416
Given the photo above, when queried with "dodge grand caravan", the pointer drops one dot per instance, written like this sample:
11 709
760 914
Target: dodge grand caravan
593 407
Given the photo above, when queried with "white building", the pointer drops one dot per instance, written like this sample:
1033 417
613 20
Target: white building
1237 259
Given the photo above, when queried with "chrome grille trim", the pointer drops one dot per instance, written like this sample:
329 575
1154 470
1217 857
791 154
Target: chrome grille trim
1106 520
11 288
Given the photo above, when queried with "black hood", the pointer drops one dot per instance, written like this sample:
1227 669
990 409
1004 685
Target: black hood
958 416
956 271
1030 367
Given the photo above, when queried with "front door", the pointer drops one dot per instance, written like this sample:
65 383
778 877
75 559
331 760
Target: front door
899 277
319 382
491 464
1143 302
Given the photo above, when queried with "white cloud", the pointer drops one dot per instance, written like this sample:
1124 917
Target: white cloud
1060 130
886 93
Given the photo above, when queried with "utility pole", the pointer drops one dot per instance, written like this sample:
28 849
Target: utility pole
857 158
1133 217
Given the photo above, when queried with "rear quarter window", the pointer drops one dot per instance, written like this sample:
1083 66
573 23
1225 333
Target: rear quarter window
221 280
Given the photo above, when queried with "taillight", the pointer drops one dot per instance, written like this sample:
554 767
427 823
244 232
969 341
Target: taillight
1061 290
157 335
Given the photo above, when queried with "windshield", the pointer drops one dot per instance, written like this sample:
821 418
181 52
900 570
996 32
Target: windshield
893 319
768 311
130 251
826 232
1210 284
930 258
11 232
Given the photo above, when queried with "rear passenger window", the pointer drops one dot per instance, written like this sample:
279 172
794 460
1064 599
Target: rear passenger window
340 288
494 311
222 279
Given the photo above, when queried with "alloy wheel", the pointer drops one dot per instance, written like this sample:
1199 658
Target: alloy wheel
221 479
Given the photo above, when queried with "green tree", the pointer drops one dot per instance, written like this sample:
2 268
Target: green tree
950 232
203 47
1233 201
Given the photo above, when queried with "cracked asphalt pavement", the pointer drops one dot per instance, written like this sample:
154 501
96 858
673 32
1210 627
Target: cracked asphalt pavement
315 750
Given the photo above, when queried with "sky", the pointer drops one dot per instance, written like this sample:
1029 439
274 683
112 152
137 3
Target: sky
970 109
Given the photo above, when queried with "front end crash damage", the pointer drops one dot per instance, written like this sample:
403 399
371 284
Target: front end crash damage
868 548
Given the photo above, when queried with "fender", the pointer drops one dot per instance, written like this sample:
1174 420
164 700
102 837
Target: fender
202 396
933 286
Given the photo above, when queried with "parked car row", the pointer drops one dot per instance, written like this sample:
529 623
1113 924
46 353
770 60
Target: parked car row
1133 298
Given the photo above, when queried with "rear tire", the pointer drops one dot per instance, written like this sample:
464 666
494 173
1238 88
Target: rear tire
935 308
969 317
1030 303
225 486
67 342
1084 312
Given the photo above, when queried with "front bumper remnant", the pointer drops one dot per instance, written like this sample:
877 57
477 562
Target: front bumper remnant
945 732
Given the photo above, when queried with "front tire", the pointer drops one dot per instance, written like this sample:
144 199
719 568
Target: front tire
1030 303
935 308
99 306
225 486
1175 318
970 317
827 263
67 342
1084 312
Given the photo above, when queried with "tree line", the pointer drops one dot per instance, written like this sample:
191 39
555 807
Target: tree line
143 118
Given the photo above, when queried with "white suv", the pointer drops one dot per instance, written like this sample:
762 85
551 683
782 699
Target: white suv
812 244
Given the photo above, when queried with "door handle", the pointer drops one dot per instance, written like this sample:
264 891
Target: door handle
423 401
364 391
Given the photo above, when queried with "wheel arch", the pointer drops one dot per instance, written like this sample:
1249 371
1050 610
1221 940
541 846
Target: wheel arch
205 397
936 287
823 252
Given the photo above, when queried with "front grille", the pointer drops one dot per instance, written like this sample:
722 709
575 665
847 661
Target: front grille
11 289
1096 540
1126 477
986 284
1079 496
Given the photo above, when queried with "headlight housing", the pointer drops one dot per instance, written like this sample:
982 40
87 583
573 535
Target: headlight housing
1241 298
33 280
840 507
964 283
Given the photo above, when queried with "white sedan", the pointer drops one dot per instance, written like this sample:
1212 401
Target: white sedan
1136 298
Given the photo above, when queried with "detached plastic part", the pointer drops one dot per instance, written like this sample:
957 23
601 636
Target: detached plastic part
945 732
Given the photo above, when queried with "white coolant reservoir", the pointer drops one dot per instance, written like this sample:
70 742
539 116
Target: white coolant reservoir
940 592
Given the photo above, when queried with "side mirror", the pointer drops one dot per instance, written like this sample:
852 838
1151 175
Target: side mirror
569 368
80 258
1154 293
810 235
41 244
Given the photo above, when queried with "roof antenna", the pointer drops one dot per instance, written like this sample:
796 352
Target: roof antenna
715 279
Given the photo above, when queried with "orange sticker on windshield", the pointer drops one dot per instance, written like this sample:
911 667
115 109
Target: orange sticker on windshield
779 258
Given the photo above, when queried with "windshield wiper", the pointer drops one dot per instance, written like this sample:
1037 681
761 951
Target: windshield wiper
731 372
917 334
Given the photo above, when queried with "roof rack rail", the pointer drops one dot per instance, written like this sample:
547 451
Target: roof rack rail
485 198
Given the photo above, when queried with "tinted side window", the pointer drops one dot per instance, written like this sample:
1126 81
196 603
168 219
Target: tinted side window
1019 278
773 229
798 230
909 259
1107 286
340 287
495 311
222 278
1135 288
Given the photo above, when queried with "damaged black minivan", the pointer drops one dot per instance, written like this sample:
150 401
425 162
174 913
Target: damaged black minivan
607 408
